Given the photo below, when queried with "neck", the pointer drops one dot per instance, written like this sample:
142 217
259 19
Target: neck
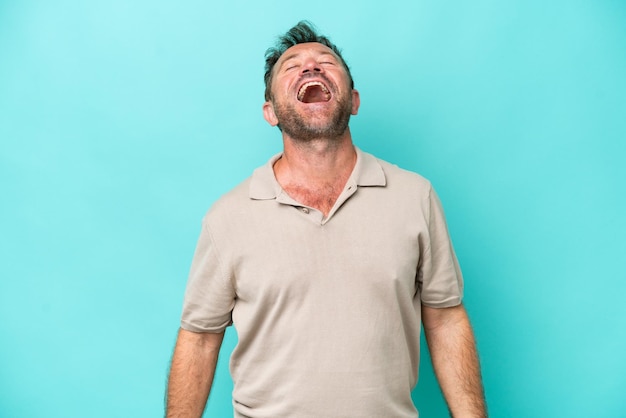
316 161
315 172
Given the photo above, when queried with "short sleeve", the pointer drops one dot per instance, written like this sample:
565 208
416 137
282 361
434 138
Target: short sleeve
210 296
440 278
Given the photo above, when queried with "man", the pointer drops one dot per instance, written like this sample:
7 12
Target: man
326 261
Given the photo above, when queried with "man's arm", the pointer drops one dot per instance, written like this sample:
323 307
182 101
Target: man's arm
455 360
191 373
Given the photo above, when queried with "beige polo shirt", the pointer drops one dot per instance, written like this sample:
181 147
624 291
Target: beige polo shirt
327 310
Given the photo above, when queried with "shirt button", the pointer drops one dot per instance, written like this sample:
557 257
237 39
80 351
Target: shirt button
304 210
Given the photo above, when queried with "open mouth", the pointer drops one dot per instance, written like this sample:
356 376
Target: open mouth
313 92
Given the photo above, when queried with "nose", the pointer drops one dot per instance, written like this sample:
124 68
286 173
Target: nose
311 65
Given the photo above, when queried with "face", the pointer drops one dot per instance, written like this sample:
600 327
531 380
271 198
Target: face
311 94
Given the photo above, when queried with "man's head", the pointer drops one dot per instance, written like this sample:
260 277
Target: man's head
310 92
302 33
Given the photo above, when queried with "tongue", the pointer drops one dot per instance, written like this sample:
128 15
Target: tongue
315 94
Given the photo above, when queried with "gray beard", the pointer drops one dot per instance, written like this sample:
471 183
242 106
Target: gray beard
296 127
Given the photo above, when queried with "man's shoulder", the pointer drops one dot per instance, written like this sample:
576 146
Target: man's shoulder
397 176
239 200
235 198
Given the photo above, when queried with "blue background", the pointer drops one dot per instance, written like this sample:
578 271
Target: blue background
121 122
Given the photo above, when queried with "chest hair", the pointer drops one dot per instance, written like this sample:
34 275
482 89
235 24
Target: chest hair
322 198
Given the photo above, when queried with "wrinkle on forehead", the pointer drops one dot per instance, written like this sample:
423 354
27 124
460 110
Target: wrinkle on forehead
319 49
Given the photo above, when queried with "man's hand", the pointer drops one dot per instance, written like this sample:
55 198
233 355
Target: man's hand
191 373
455 360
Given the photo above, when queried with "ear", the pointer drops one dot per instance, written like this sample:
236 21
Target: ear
356 101
268 113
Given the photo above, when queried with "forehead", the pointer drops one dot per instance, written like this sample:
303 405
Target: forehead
306 49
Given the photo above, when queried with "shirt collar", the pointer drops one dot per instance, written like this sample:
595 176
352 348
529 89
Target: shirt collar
367 172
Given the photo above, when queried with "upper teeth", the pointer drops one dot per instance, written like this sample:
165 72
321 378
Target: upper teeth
309 84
